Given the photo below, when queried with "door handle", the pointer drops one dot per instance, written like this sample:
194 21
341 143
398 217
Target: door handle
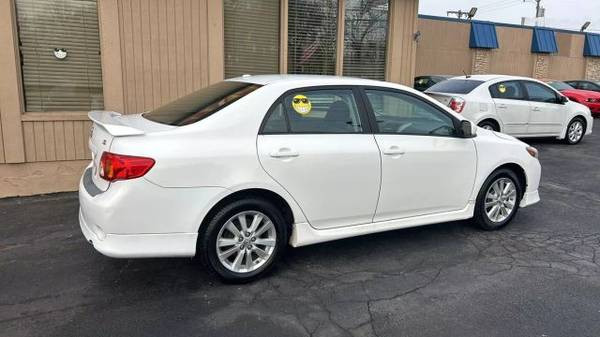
537 108
393 151
284 152
502 106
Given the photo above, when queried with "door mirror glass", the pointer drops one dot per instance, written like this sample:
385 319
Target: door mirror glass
563 99
467 130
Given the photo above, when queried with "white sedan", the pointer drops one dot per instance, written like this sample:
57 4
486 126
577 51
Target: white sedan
519 106
235 172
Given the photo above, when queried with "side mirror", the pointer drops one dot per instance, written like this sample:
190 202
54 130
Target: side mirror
467 129
563 99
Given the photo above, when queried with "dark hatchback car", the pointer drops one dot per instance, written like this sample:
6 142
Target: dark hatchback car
423 83
585 85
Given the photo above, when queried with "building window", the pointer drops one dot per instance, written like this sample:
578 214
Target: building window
251 37
60 55
312 27
365 38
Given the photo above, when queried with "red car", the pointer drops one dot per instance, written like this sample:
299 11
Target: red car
591 99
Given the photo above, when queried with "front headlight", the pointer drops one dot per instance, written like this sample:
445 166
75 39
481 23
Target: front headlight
532 151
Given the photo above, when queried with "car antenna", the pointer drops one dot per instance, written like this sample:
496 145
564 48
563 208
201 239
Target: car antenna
466 75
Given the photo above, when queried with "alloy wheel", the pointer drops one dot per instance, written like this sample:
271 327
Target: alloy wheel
500 199
575 131
246 241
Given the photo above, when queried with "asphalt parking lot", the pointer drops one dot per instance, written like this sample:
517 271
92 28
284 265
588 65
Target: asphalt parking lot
538 277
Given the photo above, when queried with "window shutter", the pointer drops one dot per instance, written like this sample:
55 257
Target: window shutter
251 37
365 38
312 28
51 84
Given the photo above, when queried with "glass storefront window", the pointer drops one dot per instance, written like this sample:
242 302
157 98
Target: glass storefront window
60 55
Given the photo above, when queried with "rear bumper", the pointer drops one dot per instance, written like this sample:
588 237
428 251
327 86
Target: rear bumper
138 245
136 218
530 198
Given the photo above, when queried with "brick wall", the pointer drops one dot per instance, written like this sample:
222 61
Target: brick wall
541 66
481 61
592 69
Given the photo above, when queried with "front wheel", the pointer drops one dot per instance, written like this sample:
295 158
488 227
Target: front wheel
498 200
243 240
575 131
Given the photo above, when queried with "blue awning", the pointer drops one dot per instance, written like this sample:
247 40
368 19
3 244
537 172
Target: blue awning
592 45
543 41
483 35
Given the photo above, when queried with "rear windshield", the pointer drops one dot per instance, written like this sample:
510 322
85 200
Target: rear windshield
200 104
455 86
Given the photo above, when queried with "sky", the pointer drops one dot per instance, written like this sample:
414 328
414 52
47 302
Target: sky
565 14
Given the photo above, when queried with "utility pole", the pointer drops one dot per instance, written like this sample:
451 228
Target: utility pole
540 12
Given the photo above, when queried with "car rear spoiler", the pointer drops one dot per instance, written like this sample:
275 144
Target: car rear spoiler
111 121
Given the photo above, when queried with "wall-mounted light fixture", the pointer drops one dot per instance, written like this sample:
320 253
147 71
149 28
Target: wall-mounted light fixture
417 36
585 26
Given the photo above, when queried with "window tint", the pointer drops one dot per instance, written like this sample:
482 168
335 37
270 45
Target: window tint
404 114
539 93
455 86
588 86
423 83
560 85
200 104
276 122
507 90
322 111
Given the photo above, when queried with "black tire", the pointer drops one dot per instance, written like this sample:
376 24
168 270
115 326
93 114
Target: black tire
487 124
568 140
480 216
206 249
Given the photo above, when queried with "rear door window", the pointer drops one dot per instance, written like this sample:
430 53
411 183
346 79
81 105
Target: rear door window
507 90
200 104
319 111
458 86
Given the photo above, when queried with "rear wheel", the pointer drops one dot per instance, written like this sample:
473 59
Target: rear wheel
575 131
498 200
243 240
488 125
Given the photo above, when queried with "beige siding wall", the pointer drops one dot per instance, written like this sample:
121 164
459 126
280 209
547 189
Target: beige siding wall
1 142
441 49
514 56
444 49
56 140
168 49
402 48
569 63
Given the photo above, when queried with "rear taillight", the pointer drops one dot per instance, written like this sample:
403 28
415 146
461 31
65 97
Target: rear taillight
121 167
593 100
457 104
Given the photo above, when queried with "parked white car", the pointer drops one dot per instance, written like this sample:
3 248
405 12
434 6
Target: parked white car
235 172
518 106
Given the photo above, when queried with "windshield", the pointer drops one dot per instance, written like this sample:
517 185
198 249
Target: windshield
560 86
200 104
455 86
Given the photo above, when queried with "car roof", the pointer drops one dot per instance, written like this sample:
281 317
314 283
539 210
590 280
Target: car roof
492 77
307 80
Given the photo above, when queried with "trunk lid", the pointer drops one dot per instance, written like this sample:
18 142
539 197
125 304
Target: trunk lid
444 98
107 127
